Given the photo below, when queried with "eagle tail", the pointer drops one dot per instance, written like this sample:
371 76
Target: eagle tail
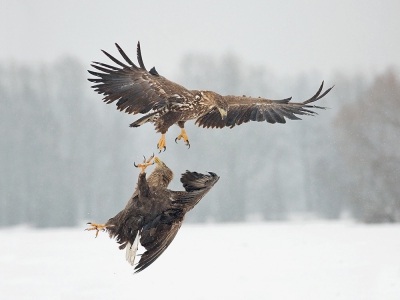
131 250
147 118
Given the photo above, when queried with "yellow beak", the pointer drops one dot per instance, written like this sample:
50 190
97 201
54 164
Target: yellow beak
157 160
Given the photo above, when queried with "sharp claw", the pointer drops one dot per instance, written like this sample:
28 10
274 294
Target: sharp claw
159 152
176 141
165 148
188 146
88 223
134 165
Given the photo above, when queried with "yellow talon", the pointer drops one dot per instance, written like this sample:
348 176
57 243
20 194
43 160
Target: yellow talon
96 227
145 163
184 136
162 144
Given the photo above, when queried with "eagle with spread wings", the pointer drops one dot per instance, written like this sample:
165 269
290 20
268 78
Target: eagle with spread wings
154 214
165 103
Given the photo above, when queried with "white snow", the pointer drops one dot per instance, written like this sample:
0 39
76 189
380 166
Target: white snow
294 260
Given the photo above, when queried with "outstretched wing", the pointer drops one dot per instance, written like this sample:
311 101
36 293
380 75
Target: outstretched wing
158 234
245 109
134 88
197 185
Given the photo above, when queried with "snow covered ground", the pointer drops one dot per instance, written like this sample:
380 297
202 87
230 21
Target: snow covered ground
294 260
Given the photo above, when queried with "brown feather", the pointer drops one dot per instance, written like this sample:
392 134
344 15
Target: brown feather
157 213
245 109
135 90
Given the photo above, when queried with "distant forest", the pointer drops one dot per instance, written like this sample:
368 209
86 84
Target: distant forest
66 157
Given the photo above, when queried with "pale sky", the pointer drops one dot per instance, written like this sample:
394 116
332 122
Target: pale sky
288 37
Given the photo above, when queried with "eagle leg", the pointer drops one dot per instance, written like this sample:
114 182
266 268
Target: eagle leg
96 227
145 163
184 136
162 144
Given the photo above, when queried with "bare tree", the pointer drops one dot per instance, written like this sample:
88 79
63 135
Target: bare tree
369 137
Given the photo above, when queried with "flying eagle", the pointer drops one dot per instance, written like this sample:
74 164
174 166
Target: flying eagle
154 214
165 103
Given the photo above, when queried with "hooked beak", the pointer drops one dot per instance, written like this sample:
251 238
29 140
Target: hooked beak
223 113
157 160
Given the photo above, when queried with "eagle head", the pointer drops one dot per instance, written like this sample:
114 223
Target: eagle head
162 175
159 162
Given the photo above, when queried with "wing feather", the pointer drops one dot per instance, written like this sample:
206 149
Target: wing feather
114 59
127 59
139 56
197 185
275 112
156 237
158 234
133 88
268 117
245 109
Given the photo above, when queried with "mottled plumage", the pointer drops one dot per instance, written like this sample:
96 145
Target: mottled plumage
154 214
165 103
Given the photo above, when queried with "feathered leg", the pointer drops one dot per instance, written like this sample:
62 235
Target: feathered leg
163 123
183 134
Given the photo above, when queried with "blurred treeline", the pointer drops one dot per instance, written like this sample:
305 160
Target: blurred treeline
67 157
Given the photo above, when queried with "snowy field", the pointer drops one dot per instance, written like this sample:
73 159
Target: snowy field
294 260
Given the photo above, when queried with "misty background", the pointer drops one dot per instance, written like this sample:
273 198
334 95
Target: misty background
67 157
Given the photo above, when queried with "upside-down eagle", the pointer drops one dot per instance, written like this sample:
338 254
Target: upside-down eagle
154 214
165 103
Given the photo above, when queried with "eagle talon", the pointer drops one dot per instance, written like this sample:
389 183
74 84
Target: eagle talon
163 150
162 145
96 227
184 136
145 163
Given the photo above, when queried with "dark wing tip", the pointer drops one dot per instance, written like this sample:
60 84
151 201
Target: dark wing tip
197 181
114 59
139 56
318 95
284 101
127 59
326 92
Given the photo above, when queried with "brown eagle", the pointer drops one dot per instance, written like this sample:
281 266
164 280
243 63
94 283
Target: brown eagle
165 103
154 214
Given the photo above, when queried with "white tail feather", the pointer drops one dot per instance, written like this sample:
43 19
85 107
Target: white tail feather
131 250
